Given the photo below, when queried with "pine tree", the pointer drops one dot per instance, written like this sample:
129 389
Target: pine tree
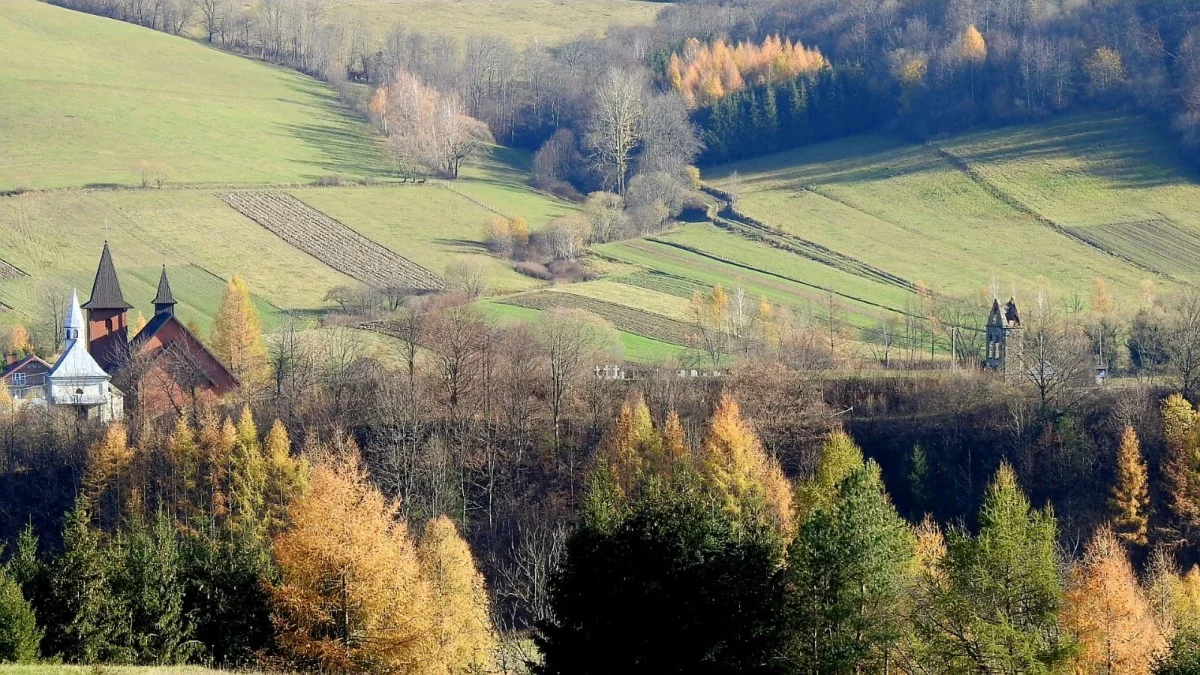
673 587
237 335
20 636
996 606
1108 614
106 478
1130 501
88 620
839 457
466 640
919 484
736 470
847 569
351 596
183 462
149 582
675 445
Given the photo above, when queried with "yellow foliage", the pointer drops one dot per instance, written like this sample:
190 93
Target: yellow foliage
1130 496
1105 69
518 229
704 73
1108 613
108 459
629 446
675 447
237 335
139 322
351 597
735 468
840 455
971 45
914 70
19 342
465 639
287 476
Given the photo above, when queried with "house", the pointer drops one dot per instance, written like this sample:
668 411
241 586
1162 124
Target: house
165 366
24 377
75 380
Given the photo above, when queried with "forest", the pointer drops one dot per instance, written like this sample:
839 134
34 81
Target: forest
478 499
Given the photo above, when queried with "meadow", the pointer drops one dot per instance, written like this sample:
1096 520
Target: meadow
1048 205
86 99
525 22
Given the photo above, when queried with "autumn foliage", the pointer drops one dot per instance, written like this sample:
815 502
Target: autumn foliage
1131 495
351 597
237 334
1108 613
704 73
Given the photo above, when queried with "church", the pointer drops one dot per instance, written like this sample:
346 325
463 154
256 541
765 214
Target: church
164 367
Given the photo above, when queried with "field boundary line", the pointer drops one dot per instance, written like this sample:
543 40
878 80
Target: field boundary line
673 331
1004 197
473 200
11 271
750 268
329 240
730 219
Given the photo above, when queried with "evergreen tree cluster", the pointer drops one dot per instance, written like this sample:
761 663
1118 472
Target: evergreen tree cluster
768 118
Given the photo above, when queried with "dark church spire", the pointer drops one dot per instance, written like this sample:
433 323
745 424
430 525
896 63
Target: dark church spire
106 289
164 302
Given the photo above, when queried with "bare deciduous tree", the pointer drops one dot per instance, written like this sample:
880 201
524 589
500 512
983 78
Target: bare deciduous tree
615 125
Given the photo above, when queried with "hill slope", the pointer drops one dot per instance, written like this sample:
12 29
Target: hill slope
85 99
1057 204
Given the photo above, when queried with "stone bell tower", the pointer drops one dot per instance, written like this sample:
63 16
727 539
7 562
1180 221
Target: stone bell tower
1001 337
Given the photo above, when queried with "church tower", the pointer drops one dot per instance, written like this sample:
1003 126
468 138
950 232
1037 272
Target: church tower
1000 327
107 316
164 301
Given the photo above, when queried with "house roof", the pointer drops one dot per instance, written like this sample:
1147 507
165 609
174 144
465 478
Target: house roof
76 364
161 321
164 296
106 289
12 368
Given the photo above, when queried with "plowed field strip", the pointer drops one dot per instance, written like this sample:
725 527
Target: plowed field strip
623 318
9 271
330 241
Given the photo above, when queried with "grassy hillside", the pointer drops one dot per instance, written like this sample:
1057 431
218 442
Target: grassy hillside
522 22
1055 204
85 99
56 239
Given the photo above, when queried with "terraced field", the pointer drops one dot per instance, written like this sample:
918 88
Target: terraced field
1014 205
330 241
639 322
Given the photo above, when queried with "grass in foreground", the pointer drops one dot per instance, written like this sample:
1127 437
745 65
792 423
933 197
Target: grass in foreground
85 99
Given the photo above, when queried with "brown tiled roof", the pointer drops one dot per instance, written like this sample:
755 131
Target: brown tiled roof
106 290
164 296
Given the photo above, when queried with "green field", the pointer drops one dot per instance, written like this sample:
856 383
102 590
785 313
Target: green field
85 99
1056 205
522 22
